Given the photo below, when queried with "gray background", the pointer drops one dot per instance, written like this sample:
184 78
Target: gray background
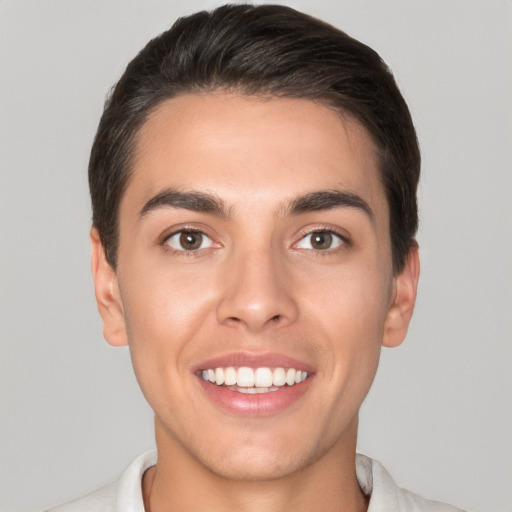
439 416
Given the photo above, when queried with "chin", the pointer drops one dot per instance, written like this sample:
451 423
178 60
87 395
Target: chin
256 467
259 458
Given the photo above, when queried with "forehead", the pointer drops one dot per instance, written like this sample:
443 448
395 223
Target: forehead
273 148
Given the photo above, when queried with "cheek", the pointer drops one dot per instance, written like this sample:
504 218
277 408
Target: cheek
348 299
352 310
162 299
163 312
162 317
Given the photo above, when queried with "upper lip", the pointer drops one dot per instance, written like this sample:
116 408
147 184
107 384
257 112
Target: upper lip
253 360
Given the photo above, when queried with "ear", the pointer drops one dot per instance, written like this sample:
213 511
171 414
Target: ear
108 298
400 312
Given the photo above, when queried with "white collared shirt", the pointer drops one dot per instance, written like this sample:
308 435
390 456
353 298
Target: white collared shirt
125 495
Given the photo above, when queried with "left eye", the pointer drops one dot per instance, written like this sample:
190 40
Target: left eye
320 241
187 240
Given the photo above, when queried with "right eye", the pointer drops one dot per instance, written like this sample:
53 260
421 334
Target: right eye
321 240
188 240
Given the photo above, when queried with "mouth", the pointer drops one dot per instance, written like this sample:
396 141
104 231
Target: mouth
254 385
254 380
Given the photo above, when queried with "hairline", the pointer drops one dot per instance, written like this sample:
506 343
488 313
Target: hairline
242 90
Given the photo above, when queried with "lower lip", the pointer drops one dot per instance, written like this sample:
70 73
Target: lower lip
258 404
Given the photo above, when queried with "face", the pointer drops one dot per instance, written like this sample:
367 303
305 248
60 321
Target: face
254 282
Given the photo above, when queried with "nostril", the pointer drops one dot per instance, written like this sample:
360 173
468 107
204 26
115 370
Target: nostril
234 320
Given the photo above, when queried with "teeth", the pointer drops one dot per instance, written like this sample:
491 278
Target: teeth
245 377
219 376
263 378
254 380
279 377
253 391
230 376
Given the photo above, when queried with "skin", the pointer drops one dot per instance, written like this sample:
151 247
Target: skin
256 284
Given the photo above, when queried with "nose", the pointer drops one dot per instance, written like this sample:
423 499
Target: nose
257 293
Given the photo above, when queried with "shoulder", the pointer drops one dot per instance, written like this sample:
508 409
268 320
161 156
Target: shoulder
102 500
414 503
386 496
120 496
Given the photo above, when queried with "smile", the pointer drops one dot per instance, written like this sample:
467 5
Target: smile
249 384
254 380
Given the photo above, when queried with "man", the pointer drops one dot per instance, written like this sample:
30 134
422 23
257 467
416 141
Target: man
253 182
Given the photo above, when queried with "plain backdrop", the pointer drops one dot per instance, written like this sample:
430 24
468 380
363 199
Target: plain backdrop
439 416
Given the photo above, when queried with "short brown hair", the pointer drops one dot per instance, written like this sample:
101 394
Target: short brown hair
259 50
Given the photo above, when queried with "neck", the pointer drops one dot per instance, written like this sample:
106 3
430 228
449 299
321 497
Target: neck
181 482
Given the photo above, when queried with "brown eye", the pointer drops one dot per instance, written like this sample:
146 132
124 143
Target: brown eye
320 241
190 240
187 240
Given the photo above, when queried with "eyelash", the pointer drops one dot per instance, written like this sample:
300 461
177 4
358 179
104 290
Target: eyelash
345 240
184 252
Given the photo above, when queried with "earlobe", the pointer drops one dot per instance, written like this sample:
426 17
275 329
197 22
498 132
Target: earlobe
108 298
404 293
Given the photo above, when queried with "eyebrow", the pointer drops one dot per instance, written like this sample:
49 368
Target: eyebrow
214 205
195 201
329 199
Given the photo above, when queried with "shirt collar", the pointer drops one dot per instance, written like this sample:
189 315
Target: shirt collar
373 479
